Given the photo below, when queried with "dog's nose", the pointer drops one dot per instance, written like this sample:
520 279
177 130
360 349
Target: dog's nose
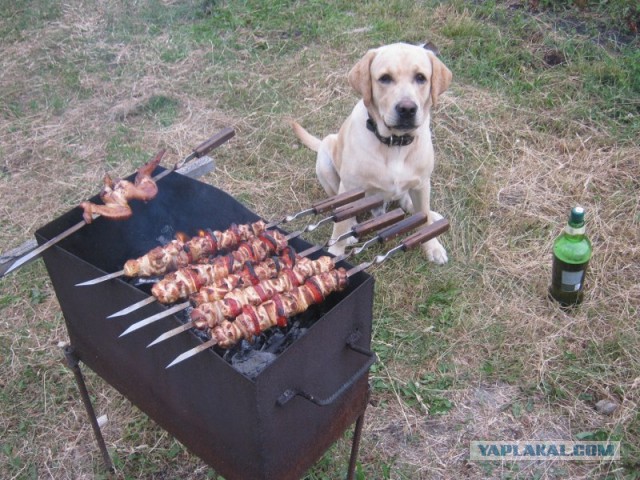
406 109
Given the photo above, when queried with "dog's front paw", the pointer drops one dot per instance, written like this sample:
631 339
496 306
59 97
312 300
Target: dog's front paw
435 252
350 241
337 249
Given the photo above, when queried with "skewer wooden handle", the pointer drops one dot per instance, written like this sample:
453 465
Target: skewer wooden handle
338 200
377 223
426 233
353 209
404 226
218 139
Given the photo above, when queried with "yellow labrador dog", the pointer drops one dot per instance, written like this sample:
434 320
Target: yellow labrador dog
384 146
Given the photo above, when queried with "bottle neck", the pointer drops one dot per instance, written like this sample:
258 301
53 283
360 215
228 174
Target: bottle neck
569 230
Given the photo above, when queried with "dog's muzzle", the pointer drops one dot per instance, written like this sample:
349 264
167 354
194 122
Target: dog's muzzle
406 111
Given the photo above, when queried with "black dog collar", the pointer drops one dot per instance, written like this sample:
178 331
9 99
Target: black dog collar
393 140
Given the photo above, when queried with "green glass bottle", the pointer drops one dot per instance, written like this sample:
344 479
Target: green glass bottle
571 254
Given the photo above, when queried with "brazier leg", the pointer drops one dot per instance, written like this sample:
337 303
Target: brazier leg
355 444
73 362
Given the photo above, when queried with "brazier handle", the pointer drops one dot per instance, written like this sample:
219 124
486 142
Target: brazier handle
289 394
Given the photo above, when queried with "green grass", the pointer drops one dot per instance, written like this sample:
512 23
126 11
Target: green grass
593 83
543 114
22 16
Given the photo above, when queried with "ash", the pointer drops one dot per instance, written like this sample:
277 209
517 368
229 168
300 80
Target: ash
251 358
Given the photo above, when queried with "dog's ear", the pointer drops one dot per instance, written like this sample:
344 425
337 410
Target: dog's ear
440 78
428 45
360 77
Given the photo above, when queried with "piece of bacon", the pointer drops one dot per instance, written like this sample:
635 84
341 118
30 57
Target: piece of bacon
209 314
116 196
250 274
180 253
183 282
274 312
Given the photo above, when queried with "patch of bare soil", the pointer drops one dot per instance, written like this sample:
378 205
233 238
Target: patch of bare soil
584 21
437 447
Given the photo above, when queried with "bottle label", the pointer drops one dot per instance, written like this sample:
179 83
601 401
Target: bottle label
571 281
574 230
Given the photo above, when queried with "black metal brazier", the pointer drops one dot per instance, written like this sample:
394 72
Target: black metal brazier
275 426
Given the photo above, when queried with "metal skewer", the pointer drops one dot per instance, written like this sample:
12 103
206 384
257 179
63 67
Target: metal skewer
343 213
375 223
365 227
104 278
154 318
338 215
421 236
194 351
202 149
317 208
359 230
381 238
133 307
323 206
182 306
178 308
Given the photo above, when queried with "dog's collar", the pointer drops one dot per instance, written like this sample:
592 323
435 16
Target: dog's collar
393 140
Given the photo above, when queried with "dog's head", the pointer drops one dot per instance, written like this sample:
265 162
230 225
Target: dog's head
399 83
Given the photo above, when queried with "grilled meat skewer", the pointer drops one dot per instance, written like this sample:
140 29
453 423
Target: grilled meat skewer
249 275
211 294
168 255
274 312
117 195
210 314
183 251
180 253
256 319
183 282
220 306
201 150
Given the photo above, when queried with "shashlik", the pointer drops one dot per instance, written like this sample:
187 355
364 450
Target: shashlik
182 252
172 255
185 281
341 212
250 274
211 313
215 293
117 195
275 312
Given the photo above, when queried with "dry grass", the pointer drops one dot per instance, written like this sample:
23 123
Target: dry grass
77 101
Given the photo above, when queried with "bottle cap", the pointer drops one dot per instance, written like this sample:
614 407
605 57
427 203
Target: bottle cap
576 218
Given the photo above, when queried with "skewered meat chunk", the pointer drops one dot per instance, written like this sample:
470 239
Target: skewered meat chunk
185 281
250 274
182 252
116 196
256 319
163 258
210 314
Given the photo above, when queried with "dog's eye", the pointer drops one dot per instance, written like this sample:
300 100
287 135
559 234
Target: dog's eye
420 78
385 79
